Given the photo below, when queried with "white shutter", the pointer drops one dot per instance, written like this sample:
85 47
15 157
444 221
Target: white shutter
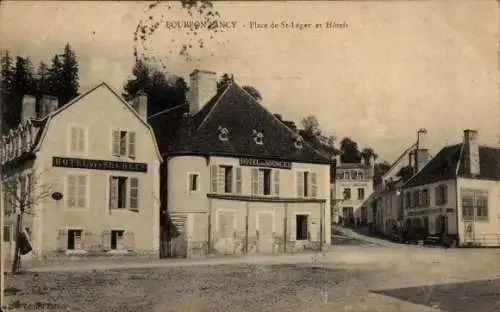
81 140
222 180
113 193
134 193
82 191
261 182
72 191
238 180
255 181
74 138
276 182
116 143
213 178
314 187
300 184
131 144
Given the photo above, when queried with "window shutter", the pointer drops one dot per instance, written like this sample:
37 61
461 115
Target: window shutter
276 182
300 184
255 181
81 139
238 180
445 194
106 240
116 143
436 195
82 191
129 240
74 138
72 191
261 182
113 193
222 180
131 144
314 187
213 177
88 240
134 193
62 240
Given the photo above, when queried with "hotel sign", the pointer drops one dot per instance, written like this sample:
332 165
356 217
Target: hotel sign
252 162
97 164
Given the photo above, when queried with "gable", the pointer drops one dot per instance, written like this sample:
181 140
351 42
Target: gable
97 103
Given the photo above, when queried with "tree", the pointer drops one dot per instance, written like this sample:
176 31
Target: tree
349 151
69 76
54 76
405 173
22 192
312 134
163 91
23 83
253 92
42 80
7 83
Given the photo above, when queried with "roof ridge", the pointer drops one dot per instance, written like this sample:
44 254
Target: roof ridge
215 104
166 110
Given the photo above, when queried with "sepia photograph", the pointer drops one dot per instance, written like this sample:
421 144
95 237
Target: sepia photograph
205 156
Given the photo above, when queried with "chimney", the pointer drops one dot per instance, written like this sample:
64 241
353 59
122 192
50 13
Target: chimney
48 105
202 87
372 161
29 108
410 158
422 156
472 147
140 104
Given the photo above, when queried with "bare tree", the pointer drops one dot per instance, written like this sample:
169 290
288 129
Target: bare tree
22 192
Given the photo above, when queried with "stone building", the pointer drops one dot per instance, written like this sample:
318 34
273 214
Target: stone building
236 179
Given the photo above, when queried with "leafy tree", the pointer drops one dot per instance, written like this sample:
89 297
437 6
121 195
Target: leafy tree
253 92
312 134
349 151
405 173
163 91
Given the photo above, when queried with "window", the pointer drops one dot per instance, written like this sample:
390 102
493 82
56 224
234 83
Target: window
124 193
360 175
77 139
227 178
425 197
347 193
117 240
408 200
414 199
346 175
302 230
468 206
361 193
306 184
482 206
193 182
77 191
75 240
265 181
7 233
441 193
123 143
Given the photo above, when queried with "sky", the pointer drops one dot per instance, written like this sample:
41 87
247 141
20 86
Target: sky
397 67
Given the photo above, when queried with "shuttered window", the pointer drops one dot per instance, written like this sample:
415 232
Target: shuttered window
77 139
134 193
124 193
124 143
213 178
116 143
77 191
131 144
300 184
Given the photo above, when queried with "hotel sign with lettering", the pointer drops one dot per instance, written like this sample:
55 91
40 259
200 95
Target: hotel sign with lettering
97 164
252 162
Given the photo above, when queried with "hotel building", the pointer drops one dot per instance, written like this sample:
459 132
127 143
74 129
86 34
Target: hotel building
236 179
87 173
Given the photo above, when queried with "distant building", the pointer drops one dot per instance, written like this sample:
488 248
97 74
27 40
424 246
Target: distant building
352 185
88 172
457 193
236 179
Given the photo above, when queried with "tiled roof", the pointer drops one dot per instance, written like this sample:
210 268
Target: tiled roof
444 165
236 110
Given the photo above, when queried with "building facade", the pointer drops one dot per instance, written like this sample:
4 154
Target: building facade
456 194
353 184
90 184
236 179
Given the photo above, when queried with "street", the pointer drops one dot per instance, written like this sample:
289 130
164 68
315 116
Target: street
347 278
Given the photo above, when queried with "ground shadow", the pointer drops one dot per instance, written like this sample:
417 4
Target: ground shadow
472 296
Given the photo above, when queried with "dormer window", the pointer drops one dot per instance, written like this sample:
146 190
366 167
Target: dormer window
223 133
258 137
298 142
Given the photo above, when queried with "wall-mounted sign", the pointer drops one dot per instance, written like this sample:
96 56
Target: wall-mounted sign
253 162
57 196
97 164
